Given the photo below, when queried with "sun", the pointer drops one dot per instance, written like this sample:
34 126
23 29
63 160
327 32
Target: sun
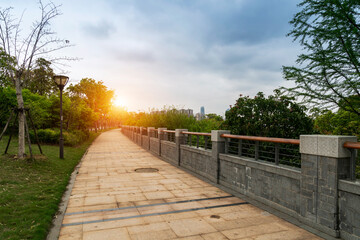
119 102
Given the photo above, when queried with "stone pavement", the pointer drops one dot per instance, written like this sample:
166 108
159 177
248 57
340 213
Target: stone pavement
110 200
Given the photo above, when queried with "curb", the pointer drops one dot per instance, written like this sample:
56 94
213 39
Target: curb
59 215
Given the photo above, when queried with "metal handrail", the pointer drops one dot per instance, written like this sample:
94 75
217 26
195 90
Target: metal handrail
352 145
168 131
262 139
197 133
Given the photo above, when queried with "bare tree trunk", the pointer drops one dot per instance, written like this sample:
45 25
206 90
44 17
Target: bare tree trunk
20 101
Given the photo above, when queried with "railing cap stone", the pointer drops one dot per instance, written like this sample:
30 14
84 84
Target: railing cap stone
325 145
216 135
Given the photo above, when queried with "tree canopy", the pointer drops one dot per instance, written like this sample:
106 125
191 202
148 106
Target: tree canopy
96 96
275 116
328 71
41 78
6 62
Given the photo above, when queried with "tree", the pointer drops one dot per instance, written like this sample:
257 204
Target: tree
215 117
329 70
97 97
6 62
41 41
41 80
341 122
275 116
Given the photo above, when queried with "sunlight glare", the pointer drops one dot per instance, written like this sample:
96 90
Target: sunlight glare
120 102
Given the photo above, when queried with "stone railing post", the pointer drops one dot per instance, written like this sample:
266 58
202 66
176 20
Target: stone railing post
132 128
149 129
141 132
136 134
179 139
218 146
324 161
160 137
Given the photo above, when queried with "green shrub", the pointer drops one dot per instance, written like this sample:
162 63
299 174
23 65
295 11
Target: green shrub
52 136
49 136
74 138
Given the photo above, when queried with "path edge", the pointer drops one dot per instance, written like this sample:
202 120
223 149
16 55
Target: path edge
54 231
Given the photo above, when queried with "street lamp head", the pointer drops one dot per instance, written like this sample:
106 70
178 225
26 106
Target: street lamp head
61 80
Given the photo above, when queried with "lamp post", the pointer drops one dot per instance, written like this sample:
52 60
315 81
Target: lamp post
61 81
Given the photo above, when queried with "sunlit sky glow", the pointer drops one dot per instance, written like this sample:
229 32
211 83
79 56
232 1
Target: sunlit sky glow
186 53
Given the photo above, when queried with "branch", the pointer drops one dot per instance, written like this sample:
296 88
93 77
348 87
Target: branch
17 32
349 55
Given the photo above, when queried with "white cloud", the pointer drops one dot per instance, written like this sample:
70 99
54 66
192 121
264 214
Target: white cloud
184 53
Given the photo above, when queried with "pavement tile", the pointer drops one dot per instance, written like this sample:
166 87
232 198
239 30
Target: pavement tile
261 229
158 195
151 227
80 218
152 188
71 230
187 205
214 236
288 235
115 233
155 235
148 202
190 226
154 219
74 209
113 224
99 207
198 237
238 214
175 216
72 236
121 213
156 209
131 197
99 200
76 202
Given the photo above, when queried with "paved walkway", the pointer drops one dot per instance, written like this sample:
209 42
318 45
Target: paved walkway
110 200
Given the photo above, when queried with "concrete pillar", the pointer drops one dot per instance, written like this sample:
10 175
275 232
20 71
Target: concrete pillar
324 161
149 134
138 136
160 137
135 134
218 146
132 129
179 139
141 132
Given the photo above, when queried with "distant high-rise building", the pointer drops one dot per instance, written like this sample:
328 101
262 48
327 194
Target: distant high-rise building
198 116
188 112
202 112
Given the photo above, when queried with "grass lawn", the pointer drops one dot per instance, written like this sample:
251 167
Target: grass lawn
30 191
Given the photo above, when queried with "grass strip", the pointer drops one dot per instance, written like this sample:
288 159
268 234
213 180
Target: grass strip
30 191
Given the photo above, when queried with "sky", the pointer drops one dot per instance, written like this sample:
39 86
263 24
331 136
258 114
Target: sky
182 53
